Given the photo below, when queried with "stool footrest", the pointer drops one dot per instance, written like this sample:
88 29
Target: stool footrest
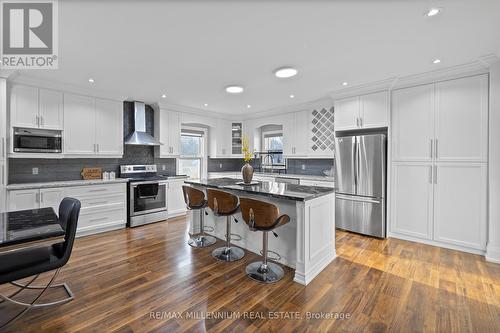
235 237
208 229
276 258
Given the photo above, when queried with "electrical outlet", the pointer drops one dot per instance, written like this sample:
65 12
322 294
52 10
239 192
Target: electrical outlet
164 167
34 171
303 166
220 165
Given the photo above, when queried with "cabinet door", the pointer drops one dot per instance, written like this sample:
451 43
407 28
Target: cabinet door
24 199
223 138
24 106
51 197
347 113
79 125
51 109
109 127
175 133
163 134
413 123
302 134
412 199
289 135
175 198
462 119
374 110
460 204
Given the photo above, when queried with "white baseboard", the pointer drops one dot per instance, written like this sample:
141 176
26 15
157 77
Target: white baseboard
304 279
492 254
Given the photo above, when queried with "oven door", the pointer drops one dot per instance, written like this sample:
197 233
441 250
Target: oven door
147 197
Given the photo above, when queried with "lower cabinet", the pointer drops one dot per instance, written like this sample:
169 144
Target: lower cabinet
175 198
308 182
103 207
440 202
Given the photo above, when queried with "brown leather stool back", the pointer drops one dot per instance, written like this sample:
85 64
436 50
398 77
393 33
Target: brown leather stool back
222 203
194 198
260 215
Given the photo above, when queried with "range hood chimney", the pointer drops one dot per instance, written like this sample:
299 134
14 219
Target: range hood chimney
139 136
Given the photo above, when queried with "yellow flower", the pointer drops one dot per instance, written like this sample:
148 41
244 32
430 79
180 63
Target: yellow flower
247 154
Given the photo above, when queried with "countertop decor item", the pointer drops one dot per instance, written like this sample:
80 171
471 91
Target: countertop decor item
247 169
91 173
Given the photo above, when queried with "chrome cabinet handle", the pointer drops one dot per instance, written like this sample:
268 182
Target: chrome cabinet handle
430 174
3 148
41 120
98 148
3 174
435 174
432 147
36 121
360 122
37 197
436 150
41 197
357 122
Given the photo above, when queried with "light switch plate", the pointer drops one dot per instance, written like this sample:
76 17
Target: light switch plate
34 171
164 167
303 166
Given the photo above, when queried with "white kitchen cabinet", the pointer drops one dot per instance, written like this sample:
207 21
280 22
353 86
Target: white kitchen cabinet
79 125
168 132
462 119
24 106
347 114
362 112
413 123
296 135
51 197
51 109
175 198
412 199
24 199
460 204
36 108
308 182
109 127
374 110
220 139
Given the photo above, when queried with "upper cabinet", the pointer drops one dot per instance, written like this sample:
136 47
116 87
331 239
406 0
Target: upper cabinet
36 108
360 112
446 121
220 139
236 138
92 126
168 132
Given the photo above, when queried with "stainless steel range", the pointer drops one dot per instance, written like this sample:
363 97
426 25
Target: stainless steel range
147 194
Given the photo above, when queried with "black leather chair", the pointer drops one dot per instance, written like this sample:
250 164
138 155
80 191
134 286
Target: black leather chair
33 262
195 200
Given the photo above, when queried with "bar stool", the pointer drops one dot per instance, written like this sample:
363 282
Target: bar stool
225 204
195 200
265 217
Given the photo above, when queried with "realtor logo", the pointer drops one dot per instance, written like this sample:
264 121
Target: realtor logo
29 34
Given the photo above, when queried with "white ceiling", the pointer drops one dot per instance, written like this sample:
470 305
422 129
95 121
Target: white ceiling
190 50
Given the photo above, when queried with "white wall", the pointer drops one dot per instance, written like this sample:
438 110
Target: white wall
493 246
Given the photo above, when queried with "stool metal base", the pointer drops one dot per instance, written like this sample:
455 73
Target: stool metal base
228 253
202 241
264 273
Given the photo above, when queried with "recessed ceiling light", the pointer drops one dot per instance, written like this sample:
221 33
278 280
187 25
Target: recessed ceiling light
285 72
433 12
292 96
163 96
344 83
91 80
234 89
436 61
249 106
205 105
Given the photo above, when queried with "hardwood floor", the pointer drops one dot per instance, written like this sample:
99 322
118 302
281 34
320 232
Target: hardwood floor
148 279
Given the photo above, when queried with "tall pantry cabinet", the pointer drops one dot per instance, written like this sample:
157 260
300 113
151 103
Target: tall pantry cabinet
439 162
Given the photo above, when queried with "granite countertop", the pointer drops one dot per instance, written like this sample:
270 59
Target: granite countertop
270 189
65 183
28 226
283 175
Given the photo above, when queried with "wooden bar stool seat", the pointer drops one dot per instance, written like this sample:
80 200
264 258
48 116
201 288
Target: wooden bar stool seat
195 200
265 217
225 204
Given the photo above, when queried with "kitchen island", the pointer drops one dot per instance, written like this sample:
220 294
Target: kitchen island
306 243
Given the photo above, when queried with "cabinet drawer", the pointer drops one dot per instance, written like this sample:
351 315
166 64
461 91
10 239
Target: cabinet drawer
95 191
100 201
102 217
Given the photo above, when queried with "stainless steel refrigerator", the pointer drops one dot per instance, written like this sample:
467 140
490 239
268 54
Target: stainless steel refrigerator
361 181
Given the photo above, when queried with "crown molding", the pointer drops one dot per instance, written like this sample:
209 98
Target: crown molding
8 73
366 88
490 59
196 111
307 106
65 87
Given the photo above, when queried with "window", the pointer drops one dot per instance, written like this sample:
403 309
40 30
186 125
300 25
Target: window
192 153
274 141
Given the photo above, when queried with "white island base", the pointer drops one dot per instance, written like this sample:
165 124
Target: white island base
306 243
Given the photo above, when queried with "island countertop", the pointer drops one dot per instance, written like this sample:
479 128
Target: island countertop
270 189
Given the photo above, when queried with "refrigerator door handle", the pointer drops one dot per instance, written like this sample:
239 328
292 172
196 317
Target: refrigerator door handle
432 148
430 175
357 199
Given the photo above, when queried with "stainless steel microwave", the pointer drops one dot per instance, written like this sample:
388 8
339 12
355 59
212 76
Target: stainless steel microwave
27 140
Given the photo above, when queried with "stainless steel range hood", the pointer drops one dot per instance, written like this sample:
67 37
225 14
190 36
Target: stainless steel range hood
139 136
